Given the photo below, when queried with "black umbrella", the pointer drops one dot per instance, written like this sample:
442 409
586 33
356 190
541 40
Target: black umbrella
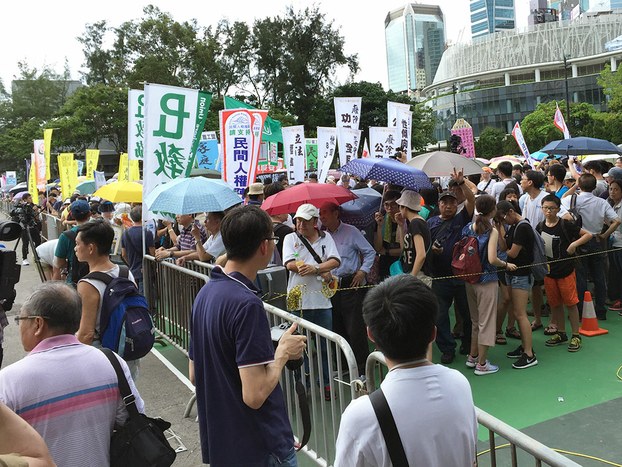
19 187
581 145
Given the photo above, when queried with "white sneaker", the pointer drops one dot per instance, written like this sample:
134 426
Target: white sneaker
487 369
25 263
471 361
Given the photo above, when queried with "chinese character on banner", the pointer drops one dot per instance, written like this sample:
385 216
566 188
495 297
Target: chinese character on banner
207 152
311 155
464 130
39 163
174 120
135 124
348 140
294 152
382 141
347 112
92 158
240 136
326 144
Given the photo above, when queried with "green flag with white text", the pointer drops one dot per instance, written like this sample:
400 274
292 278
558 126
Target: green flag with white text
271 129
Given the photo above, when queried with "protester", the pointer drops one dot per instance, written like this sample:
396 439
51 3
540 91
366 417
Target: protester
255 194
71 398
26 214
132 250
386 241
357 259
440 429
556 175
65 266
235 365
485 184
186 242
414 235
213 246
504 170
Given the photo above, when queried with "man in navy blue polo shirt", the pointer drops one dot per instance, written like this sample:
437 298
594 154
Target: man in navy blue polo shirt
242 415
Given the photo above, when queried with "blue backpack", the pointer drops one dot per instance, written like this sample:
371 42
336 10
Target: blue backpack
126 326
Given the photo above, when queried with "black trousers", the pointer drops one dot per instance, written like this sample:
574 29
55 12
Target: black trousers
36 238
348 320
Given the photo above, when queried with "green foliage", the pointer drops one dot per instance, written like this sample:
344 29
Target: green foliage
490 143
611 82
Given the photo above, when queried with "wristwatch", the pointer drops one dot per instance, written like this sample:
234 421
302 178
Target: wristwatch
317 270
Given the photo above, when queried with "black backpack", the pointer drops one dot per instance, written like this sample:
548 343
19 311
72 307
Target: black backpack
77 269
125 323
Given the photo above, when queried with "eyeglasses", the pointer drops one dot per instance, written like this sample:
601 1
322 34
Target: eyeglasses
550 208
274 239
20 318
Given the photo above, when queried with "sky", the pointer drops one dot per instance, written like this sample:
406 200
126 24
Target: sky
44 32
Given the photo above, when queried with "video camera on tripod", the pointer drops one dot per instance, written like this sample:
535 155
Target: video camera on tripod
9 269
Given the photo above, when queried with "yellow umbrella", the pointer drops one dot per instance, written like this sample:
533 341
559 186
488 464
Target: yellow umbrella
121 192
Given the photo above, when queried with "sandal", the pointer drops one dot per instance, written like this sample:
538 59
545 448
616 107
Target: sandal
512 332
535 327
500 339
550 330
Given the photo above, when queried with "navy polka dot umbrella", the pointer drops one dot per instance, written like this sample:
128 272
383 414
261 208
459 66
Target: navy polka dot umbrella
388 170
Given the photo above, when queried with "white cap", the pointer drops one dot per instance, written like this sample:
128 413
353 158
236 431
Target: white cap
307 211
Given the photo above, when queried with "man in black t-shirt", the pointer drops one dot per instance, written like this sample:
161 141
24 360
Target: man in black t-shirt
520 244
561 238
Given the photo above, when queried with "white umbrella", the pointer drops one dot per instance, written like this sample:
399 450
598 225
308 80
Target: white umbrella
442 164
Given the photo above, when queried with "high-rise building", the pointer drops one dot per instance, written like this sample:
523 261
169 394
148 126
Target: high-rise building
489 16
415 42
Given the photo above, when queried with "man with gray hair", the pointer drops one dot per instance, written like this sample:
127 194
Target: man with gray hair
72 397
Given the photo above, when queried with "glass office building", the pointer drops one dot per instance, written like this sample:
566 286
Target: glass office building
500 79
489 16
415 42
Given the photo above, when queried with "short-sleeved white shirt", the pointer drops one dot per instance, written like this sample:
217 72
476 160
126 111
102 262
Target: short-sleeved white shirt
214 245
293 250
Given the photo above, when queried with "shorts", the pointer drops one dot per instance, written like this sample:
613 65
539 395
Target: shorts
520 282
561 291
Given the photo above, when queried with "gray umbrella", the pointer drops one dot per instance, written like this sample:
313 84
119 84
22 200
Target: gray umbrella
442 163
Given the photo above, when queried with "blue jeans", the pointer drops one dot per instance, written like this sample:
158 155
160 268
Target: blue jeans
450 291
289 461
324 318
519 282
595 265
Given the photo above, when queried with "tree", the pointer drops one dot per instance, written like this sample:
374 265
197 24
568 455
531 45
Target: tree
490 143
611 82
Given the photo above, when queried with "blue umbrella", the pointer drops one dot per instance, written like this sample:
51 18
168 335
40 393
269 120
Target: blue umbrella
539 155
360 212
388 170
581 145
86 187
192 195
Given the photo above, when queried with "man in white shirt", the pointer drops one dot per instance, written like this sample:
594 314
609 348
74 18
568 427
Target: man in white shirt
504 170
213 246
595 212
486 182
440 428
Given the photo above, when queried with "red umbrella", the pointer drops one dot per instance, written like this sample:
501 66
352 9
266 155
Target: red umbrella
289 200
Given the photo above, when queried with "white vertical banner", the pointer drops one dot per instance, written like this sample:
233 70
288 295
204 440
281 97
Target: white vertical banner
100 179
174 119
135 124
347 112
326 144
240 137
404 128
392 110
522 144
294 152
40 164
382 141
348 140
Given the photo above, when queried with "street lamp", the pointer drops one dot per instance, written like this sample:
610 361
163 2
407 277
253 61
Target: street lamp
454 89
567 93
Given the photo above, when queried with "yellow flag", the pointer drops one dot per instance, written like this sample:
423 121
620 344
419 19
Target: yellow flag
65 166
47 145
124 168
32 181
74 176
134 170
92 157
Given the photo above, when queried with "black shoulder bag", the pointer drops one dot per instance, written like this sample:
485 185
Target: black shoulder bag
388 428
141 441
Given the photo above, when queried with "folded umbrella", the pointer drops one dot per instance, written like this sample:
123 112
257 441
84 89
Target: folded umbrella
289 200
388 170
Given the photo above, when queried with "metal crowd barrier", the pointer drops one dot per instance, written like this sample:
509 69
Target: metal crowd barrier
376 369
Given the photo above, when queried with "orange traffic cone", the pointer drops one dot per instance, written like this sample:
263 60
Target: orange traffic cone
589 323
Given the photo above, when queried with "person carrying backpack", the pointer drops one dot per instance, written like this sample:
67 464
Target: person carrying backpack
66 267
104 292
482 295
520 243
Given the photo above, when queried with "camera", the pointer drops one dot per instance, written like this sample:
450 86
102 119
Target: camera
276 332
9 269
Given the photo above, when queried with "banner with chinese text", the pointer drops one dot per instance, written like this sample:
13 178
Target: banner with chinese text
311 154
208 156
32 178
347 112
393 108
382 141
463 129
348 140
522 144
65 169
135 124
47 141
40 163
240 138
326 144
92 158
134 170
269 160
271 132
11 178
123 175
174 120
294 152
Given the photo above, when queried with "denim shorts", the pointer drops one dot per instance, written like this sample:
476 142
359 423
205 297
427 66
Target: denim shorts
519 282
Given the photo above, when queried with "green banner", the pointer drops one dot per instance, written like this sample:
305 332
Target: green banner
311 162
271 129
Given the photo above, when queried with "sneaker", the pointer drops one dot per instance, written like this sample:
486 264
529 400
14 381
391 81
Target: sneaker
575 344
447 358
558 339
617 306
515 353
471 361
525 362
487 369
25 263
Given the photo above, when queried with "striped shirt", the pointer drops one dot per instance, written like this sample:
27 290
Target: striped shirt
185 240
68 392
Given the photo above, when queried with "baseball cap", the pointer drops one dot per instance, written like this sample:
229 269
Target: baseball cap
410 199
67 201
445 194
256 189
614 172
80 207
307 211
106 206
